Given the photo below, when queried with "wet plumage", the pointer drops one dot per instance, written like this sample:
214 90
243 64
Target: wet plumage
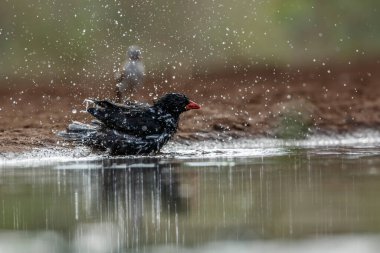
131 128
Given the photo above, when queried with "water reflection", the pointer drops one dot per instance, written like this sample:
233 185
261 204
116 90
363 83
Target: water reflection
116 205
145 202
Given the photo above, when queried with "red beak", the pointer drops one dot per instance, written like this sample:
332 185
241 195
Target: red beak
192 105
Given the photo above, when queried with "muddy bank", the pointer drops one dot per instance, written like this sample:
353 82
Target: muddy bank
282 103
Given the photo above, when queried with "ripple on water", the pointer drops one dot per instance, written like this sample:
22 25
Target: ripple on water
358 144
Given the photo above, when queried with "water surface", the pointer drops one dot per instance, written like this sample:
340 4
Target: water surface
279 199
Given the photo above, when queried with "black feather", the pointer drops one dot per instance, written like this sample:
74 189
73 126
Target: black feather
131 128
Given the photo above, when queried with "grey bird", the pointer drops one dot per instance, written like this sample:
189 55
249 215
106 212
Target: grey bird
132 74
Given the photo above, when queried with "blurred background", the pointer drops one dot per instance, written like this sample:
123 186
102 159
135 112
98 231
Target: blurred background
71 41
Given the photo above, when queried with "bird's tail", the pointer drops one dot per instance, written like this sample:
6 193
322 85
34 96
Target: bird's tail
78 132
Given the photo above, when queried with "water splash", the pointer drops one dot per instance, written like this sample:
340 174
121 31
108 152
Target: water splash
255 147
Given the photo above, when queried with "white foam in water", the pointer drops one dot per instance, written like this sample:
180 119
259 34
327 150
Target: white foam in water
141 165
91 239
45 157
255 147
334 244
223 150
78 166
210 164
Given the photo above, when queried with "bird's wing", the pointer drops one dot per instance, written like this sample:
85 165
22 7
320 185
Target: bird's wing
127 107
133 118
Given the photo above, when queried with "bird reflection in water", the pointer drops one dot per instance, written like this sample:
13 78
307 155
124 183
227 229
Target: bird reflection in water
145 200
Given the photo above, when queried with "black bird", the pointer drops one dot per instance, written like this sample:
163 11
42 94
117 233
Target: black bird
131 128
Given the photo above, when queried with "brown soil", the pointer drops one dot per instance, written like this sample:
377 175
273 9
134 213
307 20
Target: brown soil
234 104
